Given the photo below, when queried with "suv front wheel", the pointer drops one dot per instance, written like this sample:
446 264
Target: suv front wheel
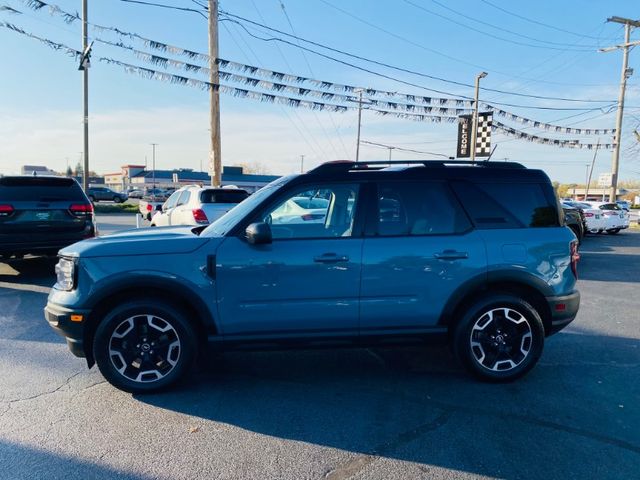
144 345
500 338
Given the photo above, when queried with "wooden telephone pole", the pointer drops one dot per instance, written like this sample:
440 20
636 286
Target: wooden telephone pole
215 159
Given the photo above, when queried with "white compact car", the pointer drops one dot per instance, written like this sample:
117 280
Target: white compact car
617 218
594 217
194 205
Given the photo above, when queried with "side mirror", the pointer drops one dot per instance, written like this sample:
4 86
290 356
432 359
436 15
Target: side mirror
162 207
258 233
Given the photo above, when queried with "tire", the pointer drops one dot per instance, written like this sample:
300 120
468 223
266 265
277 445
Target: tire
92 199
125 340
613 232
481 338
117 200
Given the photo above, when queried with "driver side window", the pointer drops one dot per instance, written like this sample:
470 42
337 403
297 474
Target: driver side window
171 202
322 211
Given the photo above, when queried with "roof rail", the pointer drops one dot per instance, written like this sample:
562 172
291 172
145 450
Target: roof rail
348 165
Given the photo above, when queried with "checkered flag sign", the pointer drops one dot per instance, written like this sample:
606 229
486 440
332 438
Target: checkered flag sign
483 139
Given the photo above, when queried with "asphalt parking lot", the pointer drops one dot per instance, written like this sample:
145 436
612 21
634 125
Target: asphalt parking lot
350 414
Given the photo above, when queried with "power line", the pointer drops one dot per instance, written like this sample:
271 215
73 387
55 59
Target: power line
162 5
482 32
530 20
313 74
401 149
510 31
393 67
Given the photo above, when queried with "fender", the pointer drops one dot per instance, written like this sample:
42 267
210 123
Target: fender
194 295
483 282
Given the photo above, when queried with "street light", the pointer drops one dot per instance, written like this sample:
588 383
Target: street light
474 127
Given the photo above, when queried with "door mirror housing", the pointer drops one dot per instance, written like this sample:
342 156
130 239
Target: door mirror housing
258 233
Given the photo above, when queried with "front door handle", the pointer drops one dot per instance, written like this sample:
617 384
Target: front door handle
451 255
330 258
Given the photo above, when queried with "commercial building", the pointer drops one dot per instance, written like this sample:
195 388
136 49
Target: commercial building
137 176
595 194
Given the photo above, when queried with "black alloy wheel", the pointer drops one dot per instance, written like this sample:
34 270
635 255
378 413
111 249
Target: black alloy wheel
144 346
500 338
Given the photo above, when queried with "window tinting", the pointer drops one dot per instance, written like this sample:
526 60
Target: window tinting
40 189
507 205
334 218
223 196
418 208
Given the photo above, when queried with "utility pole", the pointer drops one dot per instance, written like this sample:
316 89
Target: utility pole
390 150
593 162
626 73
214 96
474 124
359 124
301 163
85 74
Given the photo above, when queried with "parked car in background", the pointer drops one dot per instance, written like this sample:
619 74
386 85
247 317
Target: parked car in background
292 211
194 205
136 193
593 219
101 194
40 215
424 251
573 219
617 218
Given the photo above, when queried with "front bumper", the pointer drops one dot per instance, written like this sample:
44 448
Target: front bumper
563 309
59 318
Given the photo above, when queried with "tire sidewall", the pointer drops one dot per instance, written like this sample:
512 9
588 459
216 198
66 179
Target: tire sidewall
462 337
169 313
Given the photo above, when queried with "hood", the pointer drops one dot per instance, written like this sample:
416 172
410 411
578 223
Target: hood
141 241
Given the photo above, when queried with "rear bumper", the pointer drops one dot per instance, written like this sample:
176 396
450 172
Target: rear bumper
563 309
13 245
59 318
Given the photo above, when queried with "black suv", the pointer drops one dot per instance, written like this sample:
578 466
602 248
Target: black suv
40 215
387 253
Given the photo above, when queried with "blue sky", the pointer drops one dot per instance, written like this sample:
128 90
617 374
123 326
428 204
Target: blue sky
41 107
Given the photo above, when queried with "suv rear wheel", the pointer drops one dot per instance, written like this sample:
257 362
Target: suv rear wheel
500 338
144 345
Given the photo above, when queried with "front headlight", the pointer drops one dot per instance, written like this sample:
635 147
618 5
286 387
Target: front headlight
65 274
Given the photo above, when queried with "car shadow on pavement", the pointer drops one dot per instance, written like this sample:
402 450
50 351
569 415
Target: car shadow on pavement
417 405
607 267
29 271
20 462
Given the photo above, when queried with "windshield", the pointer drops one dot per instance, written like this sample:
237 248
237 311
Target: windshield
225 223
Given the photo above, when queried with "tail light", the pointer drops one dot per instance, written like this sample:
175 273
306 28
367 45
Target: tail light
575 257
81 209
6 210
199 216
588 214
311 216
149 208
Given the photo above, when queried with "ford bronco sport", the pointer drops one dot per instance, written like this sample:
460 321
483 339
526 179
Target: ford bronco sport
473 255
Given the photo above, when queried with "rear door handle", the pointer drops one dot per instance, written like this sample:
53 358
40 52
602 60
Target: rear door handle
330 258
451 255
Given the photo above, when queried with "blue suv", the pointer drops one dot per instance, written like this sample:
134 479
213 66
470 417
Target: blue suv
391 253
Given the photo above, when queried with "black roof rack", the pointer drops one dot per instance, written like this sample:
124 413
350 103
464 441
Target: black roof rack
338 166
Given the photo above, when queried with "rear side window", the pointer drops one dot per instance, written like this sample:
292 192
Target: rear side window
25 189
419 208
184 199
223 196
507 205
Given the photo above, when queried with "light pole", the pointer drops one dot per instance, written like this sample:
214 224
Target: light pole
153 173
474 125
359 124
